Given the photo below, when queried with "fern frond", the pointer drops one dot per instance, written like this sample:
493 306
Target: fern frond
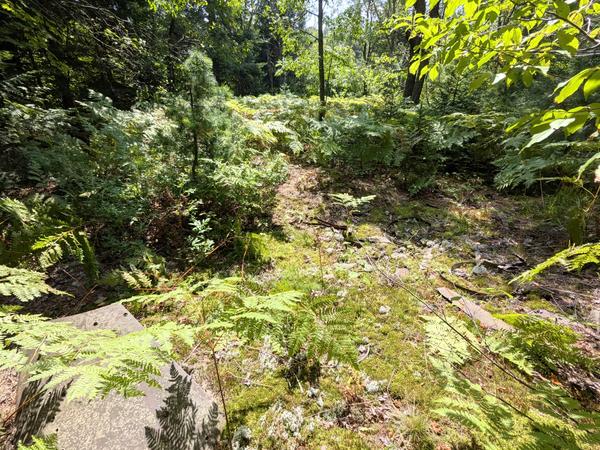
17 211
45 443
23 284
445 343
572 258
71 242
94 362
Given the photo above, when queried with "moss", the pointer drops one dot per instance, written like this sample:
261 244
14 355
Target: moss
366 230
338 439
534 302
378 215
247 403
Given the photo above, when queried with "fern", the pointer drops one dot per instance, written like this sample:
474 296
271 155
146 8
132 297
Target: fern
92 363
251 317
445 343
23 284
70 242
46 443
572 258
17 211
350 202
319 329
35 232
555 421
500 344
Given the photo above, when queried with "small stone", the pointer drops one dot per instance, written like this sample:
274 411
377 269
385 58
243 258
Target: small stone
329 250
312 392
342 293
384 309
594 316
372 386
402 272
479 270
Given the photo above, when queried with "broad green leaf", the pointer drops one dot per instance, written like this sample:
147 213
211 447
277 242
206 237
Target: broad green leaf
571 85
539 137
592 83
479 80
434 73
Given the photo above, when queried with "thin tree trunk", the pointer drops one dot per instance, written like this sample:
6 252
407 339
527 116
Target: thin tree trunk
171 56
196 149
321 63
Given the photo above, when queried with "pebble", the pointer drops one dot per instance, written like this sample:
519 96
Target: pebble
479 270
384 309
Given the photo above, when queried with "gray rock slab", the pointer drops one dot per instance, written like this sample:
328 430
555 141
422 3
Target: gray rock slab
180 416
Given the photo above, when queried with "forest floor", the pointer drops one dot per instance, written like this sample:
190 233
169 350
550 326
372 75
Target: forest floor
385 264
465 237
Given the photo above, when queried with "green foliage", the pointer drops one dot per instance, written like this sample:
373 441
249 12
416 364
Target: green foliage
93 363
446 343
573 258
46 443
44 232
553 420
24 284
546 345
320 329
350 203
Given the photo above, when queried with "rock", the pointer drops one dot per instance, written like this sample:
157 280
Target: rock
312 392
116 422
242 438
479 269
485 319
474 311
594 316
448 294
372 386
384 309
342 293
401 272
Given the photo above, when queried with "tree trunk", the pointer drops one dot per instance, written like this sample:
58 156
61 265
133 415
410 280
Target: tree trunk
420 80
171 56
413 43
321 63
195 149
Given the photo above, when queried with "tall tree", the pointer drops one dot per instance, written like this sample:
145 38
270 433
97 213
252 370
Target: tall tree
414 39
321 61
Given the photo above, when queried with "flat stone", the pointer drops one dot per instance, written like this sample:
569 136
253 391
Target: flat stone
181 415
448 294
485 319
474 311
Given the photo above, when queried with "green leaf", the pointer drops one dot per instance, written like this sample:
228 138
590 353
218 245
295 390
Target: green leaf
571 85
434 73
479 80
592 83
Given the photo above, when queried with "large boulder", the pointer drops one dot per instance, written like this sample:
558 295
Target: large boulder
180 416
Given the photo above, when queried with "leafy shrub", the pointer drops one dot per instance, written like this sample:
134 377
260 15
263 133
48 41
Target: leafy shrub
42 234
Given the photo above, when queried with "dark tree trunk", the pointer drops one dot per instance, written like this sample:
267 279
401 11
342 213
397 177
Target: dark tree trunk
413 43
420 80
171 56
321 63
